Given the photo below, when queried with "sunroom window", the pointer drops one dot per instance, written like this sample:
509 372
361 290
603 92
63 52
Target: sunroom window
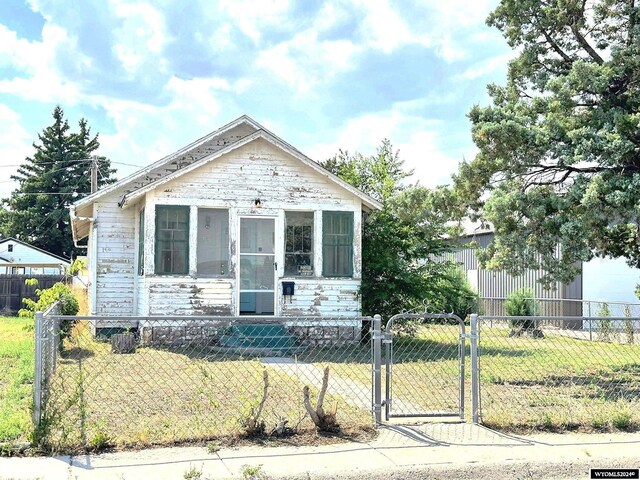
298 250
172 240
213 241
337 244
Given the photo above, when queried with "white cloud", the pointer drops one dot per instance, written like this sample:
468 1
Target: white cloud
304 62
15 145
384 29
141 36
415 137
486 67
36 61
253 17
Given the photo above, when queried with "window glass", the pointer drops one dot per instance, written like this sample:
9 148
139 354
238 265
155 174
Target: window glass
172 240
213 241
298 243
337 244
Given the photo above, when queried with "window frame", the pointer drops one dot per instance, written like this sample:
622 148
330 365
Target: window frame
158 210
326 214
227 246
141 218
311 253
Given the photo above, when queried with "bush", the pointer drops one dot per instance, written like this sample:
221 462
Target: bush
520 303
60 293
455 294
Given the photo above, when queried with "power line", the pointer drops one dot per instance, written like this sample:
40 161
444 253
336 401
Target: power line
46 163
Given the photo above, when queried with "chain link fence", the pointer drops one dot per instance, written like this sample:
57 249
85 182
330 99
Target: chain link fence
558 307
137 381
145 381
549 374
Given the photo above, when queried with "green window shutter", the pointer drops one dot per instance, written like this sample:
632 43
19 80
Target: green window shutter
172 240
141 243
337 244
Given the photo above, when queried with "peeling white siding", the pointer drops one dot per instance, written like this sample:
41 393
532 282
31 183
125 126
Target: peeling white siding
189 296
115 258
233 182
323 297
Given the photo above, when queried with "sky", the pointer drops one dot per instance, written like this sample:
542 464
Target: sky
151 77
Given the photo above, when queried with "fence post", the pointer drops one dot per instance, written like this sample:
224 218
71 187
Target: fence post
590 322
475 370
37 378
376 338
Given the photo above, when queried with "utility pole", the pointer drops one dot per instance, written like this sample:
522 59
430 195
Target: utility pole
94 174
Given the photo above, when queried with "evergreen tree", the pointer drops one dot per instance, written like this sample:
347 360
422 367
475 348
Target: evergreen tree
58 174
558 167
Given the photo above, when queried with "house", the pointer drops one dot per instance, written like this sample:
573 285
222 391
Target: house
20 261
237 223
20 258
600 281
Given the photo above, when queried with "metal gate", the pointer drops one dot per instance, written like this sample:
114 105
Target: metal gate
424 366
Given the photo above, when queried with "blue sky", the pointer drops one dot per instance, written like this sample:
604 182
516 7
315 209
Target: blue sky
152 76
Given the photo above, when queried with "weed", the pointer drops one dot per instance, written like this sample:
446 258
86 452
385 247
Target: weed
599 422
213 447
99 441
622 420
253 472
604 331
628 325
547 422
193 473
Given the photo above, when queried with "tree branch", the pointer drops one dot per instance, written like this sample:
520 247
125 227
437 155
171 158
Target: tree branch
556 48
587 47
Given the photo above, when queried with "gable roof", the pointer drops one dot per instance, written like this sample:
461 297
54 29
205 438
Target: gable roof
234 135
55 259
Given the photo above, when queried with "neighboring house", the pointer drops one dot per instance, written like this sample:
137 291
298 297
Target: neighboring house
19 258
600 280
236 223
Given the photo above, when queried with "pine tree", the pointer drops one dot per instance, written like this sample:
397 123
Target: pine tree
58 174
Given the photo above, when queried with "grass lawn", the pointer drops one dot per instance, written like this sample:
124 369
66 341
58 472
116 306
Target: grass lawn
162 396
16 378
555 383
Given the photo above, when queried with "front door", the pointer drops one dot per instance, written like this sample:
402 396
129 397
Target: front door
257 266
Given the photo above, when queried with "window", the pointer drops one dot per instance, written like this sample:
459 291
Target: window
298 244
172 240
337 244
141 243
10 247
213 242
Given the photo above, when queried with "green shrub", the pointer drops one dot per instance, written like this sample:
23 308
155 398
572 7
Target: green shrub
59 292
455 293
520 303
604 325
628 325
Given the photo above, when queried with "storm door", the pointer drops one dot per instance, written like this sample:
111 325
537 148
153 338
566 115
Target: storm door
257 266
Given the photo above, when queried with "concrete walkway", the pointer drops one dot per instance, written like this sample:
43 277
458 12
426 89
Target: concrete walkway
413 452
355 393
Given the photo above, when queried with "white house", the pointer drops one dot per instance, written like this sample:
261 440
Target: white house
19 258
237 223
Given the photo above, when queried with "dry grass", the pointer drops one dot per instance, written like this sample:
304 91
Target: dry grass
556 383
156 396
